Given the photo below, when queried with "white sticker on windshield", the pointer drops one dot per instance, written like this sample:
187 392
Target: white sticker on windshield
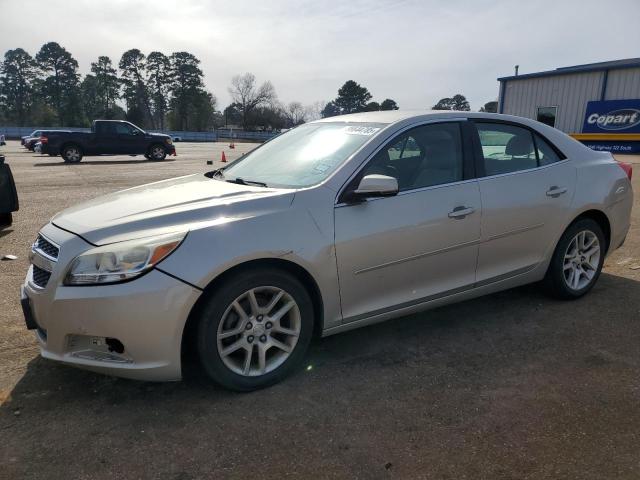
367 131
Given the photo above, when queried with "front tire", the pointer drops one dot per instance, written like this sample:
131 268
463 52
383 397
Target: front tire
72 154
577 261
157 153
255 329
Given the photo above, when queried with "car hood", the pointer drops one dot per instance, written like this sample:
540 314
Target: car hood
171 205
158 135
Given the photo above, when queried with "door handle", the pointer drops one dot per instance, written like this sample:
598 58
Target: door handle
461 212
555 192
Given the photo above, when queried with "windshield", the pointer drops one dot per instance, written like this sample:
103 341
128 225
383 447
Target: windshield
303 156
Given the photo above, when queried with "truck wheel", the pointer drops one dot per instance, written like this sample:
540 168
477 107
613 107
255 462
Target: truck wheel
72 154
157 153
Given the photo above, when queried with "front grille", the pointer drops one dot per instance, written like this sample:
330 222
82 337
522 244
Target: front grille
47 247
40 276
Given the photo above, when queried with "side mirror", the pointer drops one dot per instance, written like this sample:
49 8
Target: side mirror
375 186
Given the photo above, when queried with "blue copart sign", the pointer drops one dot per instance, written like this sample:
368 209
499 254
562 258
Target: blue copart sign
612 116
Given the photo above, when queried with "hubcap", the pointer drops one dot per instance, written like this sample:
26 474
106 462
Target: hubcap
157 152
73 154
581 260
258 331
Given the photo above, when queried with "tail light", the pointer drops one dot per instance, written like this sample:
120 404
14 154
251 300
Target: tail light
44 139
627 167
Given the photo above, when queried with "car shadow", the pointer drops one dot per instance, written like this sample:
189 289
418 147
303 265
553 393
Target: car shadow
445 329
100 162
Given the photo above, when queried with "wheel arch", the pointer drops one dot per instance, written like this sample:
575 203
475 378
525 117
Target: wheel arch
299 272
70 143
601 219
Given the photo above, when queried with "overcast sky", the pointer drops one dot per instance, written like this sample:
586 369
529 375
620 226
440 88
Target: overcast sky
414 51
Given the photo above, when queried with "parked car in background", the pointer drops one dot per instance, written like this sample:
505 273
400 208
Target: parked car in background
333 225
108 137
35 133
177 138
30 142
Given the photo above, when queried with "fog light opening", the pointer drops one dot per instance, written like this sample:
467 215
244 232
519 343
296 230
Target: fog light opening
114 345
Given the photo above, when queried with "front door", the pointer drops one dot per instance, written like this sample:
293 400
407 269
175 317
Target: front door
400 251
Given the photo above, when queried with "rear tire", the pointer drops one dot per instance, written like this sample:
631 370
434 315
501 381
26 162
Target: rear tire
72 153
254 330
157 153
577 260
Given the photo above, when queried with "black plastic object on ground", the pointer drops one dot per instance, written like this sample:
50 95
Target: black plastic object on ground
8 194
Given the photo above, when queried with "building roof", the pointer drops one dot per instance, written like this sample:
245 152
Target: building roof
587 67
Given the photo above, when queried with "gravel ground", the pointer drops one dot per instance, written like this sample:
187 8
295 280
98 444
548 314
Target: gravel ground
513 385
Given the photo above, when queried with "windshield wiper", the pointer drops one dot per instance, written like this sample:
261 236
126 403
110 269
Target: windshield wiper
242 181
218 172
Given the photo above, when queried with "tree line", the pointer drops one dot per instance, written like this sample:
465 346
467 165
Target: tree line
157 92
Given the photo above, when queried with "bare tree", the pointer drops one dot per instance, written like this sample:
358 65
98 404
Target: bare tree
314 111
295 114
248 96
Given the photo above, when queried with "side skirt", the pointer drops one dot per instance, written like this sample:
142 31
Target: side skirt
513 279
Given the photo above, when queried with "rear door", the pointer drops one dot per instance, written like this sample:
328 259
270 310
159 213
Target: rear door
526 187
400 251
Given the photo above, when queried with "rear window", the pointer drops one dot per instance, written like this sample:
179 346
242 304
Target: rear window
510 148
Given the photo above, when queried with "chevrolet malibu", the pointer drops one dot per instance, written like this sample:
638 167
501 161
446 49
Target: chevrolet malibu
334 225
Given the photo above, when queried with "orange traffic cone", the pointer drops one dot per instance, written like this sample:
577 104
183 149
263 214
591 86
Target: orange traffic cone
224 158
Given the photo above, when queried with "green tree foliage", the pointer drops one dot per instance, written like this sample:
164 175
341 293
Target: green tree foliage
159 85
18 76
107 87
388 104
60 87
135 84
457 102
372 107
330 110
490 107
352 98
186 89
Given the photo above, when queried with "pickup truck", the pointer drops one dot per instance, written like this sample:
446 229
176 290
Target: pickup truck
108 137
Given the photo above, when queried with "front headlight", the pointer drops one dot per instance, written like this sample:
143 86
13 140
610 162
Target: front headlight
121 261
169 141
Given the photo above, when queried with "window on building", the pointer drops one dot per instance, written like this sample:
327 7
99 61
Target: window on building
547 115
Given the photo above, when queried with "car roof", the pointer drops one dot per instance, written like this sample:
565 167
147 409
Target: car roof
393 116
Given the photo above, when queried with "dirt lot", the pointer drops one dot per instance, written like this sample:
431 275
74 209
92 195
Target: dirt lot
514 385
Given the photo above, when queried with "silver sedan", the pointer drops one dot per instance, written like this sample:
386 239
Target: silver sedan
333 225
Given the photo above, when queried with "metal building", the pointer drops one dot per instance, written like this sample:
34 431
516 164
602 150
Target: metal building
597 103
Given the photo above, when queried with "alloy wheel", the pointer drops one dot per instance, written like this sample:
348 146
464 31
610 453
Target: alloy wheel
258 331
72 154
157 153
581 260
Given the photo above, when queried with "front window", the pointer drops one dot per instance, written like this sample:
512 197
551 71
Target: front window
424 156
304 156
126 129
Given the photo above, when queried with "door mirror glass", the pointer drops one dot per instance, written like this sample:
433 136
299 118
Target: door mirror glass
376 186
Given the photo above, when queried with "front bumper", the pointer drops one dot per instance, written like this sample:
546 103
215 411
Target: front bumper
146 315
